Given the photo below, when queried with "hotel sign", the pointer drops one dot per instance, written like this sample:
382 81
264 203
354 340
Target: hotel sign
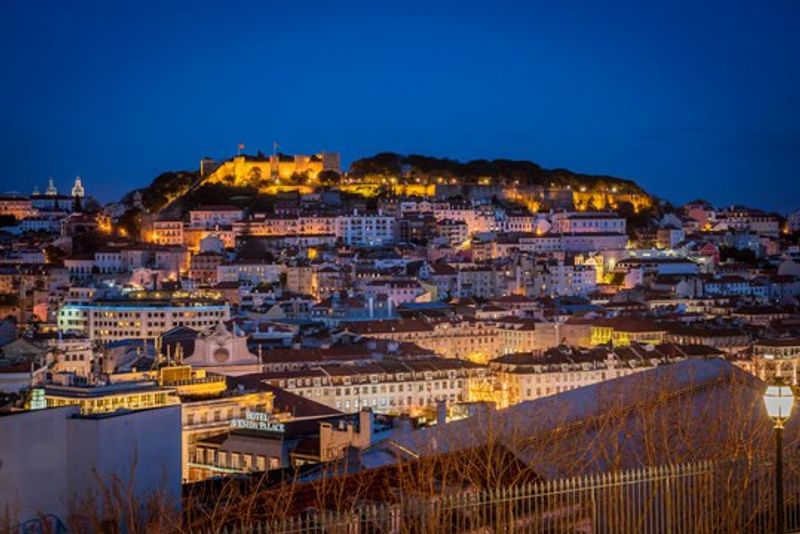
257 421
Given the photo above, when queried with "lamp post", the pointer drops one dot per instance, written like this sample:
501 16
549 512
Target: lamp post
779 400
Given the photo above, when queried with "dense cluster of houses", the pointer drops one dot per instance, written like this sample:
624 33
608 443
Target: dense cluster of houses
289 335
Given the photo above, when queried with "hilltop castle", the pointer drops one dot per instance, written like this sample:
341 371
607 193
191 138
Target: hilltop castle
278 168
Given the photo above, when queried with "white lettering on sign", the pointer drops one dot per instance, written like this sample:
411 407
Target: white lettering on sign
257 421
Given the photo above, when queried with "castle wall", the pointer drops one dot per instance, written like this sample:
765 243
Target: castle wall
258 172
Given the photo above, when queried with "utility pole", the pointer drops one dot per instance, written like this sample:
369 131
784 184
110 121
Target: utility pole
275 163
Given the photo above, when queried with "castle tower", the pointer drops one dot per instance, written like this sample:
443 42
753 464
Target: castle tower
77 189
51 188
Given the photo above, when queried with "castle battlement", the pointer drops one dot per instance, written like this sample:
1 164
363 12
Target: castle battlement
261 170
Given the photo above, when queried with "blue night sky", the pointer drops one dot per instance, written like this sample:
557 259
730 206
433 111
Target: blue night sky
690 99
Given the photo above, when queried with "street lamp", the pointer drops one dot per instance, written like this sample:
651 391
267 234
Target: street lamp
779 400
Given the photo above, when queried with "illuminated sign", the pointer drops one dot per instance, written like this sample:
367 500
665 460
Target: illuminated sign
257 421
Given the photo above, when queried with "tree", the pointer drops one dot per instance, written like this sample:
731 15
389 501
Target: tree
254 177
87 242
130 223
738 255
299 178
328 177
54 255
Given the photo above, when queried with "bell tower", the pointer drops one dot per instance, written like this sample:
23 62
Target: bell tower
77 189
51 188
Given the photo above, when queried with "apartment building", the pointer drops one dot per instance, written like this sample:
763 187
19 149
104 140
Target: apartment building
167 233
463 338
17 207
212 216
588 223
139 318
366 230
250 272
526 376
387 386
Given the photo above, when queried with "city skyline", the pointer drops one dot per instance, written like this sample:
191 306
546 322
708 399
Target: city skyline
399 267
688 107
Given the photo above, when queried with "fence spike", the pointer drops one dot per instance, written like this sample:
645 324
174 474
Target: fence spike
675 493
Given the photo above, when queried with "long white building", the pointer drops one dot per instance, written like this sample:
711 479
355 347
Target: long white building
388 386
366 230
139 318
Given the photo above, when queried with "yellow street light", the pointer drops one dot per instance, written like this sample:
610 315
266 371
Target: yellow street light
779 400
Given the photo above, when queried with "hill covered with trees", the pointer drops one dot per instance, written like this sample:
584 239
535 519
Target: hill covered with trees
177 191
480 171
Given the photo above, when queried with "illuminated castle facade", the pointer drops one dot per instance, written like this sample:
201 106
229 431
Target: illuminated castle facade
277 168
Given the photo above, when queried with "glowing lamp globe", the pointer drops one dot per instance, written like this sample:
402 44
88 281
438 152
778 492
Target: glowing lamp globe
779 400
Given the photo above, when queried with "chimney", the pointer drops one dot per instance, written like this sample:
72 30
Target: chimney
352 457
365 428
441 413
403 424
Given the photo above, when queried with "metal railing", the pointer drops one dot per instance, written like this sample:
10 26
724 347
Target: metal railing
46 524
705 497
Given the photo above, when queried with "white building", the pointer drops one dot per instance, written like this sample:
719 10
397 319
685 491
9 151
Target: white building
793 222
53 456
588 222
250 272
560 279
79 268
456 232
593 241
211 216
746 219
394 387
138 319
366 230
261 225
71 354
526 376
43 223
223 351
167 232
397 291
668 238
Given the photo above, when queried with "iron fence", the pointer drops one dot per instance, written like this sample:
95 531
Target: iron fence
692 498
